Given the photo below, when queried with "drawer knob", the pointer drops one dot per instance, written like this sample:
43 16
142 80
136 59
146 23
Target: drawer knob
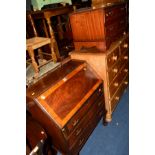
126 57
125 82
116 84
78 132
115 70
125 45
125 70
117 98
75 122
114 57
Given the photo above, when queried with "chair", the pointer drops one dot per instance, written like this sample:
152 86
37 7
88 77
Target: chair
36 43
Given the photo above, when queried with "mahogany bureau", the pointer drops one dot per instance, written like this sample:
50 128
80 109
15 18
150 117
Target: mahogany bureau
68 103
112 66
98 27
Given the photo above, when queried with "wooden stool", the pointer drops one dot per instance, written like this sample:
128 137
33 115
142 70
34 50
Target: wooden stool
36 43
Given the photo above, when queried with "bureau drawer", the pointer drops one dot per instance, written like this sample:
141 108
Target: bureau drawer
94 116
117 81
94 110
125 45
120 91
75 120
112 14
113 57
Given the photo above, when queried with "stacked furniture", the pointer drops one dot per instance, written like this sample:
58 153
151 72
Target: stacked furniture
105 28
99 27
68 103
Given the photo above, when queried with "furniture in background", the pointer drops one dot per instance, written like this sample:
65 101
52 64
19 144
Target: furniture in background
112 66
68 103
54 24
101 3
38 4
98 27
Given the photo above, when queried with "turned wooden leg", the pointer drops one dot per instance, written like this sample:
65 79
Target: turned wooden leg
108 117
34 64
53 41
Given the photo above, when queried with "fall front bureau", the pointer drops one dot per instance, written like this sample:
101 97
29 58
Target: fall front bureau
112 66
68 103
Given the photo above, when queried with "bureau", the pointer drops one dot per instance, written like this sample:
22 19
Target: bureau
98 27
112 66
68 103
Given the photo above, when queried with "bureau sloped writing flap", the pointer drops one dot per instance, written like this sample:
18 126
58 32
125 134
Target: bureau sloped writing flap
63 100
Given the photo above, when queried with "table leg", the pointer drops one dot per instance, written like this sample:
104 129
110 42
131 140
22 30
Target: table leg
53 41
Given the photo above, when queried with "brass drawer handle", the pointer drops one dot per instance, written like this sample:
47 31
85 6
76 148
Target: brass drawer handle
78 132
115 70
75 122
125 45
126 57
125 70
81 141
100 90
116 84
117 98
125 82
114 57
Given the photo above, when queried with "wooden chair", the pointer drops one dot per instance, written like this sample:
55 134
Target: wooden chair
36 43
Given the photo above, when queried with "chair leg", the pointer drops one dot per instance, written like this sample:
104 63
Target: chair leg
34 64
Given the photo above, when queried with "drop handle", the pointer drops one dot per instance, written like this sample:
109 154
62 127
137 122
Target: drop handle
115 70
78 132
126 57
117 98
125 45
75 122
116 84
125 82
81 141
125 70
114 57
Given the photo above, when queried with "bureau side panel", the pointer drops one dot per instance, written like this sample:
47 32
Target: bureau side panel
51 128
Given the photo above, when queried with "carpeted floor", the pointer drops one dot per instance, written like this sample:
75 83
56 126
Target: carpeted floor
114 138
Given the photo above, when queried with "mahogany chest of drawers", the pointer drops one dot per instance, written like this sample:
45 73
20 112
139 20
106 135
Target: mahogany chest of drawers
68 103
112 67
98 27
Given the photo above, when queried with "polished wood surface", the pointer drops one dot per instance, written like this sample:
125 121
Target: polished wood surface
112 67
98 27
64 105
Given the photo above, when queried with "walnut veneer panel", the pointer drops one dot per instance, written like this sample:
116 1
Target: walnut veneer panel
112 67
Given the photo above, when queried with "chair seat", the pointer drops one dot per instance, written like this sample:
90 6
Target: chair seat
37 42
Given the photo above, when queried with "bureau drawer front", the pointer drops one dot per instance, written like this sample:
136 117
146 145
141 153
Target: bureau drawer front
78 116
116 83
119 93
95 109
113 57
125 45
95 116
112 14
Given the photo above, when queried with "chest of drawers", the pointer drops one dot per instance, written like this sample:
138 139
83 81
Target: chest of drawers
98 27
68 103
112 66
